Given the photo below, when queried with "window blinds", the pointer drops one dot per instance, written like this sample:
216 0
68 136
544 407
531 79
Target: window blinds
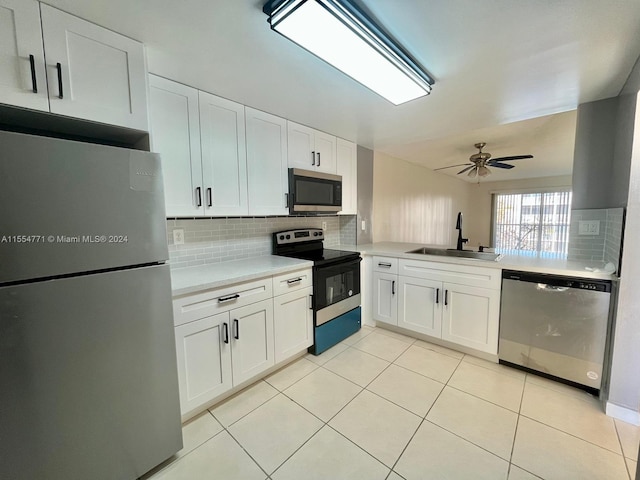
535 224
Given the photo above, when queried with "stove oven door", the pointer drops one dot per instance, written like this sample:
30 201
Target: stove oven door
336 289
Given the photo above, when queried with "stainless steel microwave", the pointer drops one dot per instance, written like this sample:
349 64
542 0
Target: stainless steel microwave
314 192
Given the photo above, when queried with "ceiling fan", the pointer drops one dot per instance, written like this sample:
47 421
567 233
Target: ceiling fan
481 160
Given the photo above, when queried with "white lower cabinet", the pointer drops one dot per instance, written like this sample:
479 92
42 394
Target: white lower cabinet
419 305
432 298
471 317
230 335
385 298
204 360
251 340
293 323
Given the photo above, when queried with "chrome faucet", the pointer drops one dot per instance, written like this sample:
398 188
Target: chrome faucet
459 228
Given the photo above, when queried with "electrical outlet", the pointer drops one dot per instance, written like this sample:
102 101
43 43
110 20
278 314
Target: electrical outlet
178 236
324 226
589 227
363 226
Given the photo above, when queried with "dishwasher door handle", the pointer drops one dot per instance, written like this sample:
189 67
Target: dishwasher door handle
552 288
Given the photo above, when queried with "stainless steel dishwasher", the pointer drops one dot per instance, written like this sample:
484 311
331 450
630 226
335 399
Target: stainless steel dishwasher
555 325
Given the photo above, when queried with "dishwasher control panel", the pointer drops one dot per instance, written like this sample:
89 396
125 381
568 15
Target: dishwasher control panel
558 281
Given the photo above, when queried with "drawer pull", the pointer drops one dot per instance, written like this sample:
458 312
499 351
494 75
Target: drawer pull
294 280
230 297
385 265
236 328
225 330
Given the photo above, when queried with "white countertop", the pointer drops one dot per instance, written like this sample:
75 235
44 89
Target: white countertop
203 277
507 262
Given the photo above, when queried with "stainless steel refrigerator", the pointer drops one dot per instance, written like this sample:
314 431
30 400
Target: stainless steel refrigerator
88 380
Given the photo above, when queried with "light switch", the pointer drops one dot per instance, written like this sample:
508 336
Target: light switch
363 226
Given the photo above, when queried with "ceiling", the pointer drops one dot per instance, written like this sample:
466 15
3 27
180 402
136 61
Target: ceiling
495 62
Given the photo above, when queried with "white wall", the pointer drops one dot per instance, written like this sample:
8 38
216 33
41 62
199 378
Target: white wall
624 388
479 222
415 204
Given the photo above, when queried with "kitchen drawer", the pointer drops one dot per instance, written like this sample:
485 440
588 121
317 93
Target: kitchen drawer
385 265
484 277
291 281
210 302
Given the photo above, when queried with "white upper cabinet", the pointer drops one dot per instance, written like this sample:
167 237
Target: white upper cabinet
224 157
175 134
22 75
266 163
311 149
93 73
347 167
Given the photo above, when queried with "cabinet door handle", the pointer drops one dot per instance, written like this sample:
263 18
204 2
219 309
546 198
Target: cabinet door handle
393 287
318 158
294 280
437 296
209 197
198 197
385 265
225 331
446 298
313 158
34 83
60 92
236 328
311 302
230 297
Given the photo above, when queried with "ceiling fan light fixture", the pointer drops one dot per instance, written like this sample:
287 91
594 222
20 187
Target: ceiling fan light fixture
484 171
342 35
472 173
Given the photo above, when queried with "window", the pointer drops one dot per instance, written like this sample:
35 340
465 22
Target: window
535 224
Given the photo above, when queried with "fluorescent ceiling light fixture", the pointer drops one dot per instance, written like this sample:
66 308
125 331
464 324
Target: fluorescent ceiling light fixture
343 36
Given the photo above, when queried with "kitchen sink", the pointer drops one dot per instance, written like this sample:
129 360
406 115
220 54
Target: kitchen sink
452 252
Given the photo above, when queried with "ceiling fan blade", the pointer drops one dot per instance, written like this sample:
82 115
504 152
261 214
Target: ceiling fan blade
450 166
466 169
501 165
515 157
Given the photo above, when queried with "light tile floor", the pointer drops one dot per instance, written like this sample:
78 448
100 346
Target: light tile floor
384 406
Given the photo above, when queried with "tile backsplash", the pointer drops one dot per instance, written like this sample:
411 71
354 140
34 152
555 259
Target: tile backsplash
605 246
213 240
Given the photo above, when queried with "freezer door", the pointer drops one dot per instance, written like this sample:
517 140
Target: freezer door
88 375
68 207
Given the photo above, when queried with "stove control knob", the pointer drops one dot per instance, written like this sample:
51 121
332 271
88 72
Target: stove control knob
281 237
288 237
